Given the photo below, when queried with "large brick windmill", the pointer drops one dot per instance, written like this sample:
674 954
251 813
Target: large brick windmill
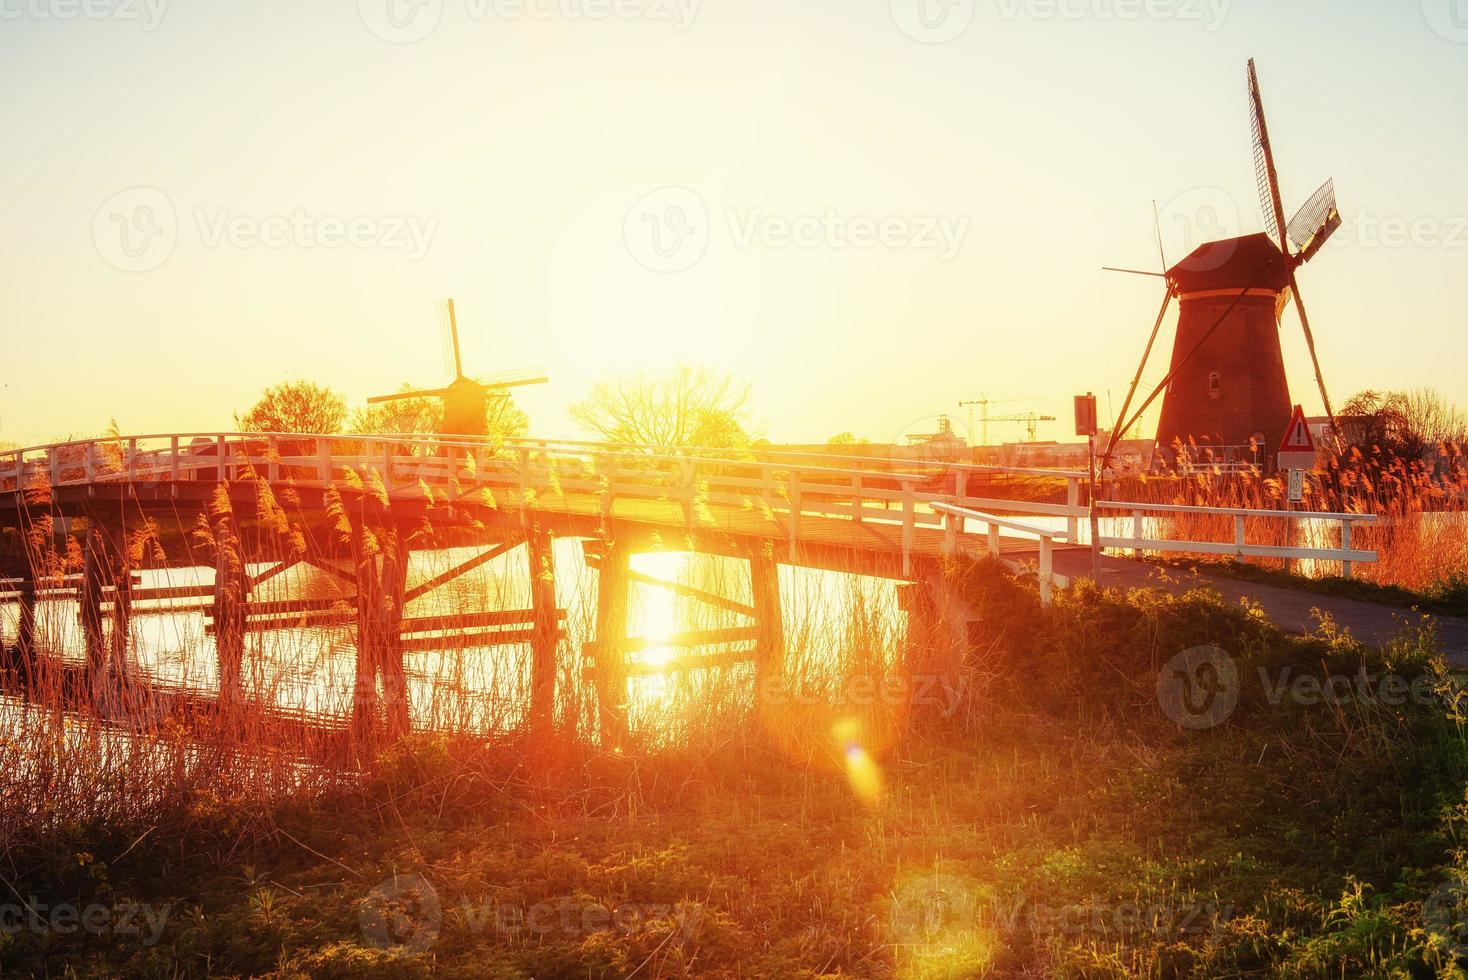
465 399
1226 389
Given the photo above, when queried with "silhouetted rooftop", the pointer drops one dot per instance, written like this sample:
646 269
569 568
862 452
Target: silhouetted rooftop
1250 262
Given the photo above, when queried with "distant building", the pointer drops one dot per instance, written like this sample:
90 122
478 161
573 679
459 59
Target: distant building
1131 455
945 445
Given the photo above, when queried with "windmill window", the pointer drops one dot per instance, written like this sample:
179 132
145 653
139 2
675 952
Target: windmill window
1215 386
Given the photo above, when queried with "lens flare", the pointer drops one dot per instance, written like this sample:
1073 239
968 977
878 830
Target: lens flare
861 769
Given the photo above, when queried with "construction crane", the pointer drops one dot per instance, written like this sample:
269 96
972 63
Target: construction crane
1031 420
983 402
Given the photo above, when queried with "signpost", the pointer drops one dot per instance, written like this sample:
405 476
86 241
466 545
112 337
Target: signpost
1297 486
1297 453
1086 426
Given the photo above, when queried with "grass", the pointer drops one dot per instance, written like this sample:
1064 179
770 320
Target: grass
1045 814
1058 824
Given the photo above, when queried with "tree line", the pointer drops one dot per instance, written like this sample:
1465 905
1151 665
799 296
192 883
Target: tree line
685 405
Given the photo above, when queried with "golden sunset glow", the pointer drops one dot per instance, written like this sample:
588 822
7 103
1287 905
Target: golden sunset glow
521 207
666 489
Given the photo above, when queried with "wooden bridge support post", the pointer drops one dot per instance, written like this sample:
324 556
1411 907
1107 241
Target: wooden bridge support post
122 612
545 630
231 595
369 563
94 574
769 646
612 593
393 592
25 633
25 637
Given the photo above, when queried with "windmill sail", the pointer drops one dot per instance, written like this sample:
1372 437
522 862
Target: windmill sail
1268 179
448 341
514 379
1314 223
1265 175
399 396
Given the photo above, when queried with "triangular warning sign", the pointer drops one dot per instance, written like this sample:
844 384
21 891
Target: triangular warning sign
1297 438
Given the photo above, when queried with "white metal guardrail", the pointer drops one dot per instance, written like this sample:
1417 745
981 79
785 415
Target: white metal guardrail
1139 540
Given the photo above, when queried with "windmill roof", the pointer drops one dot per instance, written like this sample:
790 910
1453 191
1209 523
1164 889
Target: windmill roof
1249 262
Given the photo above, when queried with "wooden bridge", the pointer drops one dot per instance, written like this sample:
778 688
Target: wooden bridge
356 506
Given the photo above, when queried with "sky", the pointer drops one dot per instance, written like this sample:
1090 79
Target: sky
870 209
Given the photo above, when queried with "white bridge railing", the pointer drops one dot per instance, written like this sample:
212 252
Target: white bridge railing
896 494
958 516
785 487
1140 540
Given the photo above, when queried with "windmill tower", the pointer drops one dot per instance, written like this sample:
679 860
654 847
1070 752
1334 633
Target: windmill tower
1226 388
1228 385
465 399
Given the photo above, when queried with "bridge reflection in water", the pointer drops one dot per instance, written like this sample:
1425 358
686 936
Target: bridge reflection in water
309 671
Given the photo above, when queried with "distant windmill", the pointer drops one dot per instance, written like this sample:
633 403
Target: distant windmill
466 400
1226 385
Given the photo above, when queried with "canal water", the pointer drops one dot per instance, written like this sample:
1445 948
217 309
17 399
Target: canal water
311 670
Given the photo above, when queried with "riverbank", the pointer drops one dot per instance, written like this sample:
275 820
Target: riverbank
1083 812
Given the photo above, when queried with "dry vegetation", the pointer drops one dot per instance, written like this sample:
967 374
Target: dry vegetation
1057 824
1421 534
1033 814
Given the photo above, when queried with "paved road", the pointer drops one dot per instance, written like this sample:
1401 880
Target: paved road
1289 609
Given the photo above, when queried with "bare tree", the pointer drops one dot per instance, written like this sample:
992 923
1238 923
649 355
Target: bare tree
847 439
504 418
409 415
1433 417
296 406
688 405
1403 424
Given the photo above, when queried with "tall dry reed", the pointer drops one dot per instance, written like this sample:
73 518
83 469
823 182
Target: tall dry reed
1420 535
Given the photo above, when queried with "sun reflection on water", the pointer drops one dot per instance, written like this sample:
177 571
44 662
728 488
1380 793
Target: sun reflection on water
655 616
